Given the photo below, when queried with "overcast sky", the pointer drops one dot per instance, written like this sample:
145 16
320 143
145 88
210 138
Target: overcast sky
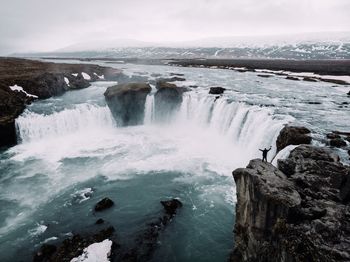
44 25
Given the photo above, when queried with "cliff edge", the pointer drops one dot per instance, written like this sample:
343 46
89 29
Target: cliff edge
297 212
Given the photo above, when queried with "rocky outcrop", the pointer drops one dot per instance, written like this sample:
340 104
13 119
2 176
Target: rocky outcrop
40 80
104 204
217 90
168 99
127 102
147 242
297 212
71 247
292 135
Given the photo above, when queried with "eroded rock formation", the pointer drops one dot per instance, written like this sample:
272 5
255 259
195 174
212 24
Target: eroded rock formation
297 212
293 135
127 102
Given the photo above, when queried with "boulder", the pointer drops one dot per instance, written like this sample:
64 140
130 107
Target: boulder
309 79
104 204
171 79
332 136
99 221
217 90
337 142
171 206
127 102
297 217
292 78
292 135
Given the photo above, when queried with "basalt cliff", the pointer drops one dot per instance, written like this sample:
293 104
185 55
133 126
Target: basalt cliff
297 211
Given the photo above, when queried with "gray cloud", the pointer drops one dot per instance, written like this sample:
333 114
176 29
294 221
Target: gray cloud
50 24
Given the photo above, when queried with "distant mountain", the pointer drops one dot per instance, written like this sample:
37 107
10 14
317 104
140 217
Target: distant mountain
331 45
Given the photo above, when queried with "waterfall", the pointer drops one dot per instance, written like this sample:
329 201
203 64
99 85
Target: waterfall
83 117
149 110
246 126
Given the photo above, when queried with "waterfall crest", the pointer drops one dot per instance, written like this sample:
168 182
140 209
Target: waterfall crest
32 126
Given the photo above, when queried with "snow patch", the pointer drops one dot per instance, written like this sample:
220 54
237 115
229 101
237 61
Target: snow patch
75 75
66 80
283 154
97 252
20 89
86 76
100 77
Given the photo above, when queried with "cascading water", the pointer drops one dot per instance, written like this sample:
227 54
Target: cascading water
246 127
83 117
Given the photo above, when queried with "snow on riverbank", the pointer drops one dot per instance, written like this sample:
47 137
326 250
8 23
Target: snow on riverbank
97 252
20 89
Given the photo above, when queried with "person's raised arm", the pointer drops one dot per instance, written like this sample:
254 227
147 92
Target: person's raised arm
269 148
261 150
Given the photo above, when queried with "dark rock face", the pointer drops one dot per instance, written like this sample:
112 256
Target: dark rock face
168 99
127 102
147 242
332 136
337 142
104 204
300 217
171 206
217 90
292 78
292 135
99 221
71 247
309 79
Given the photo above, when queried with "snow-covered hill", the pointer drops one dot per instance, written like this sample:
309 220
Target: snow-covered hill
333 45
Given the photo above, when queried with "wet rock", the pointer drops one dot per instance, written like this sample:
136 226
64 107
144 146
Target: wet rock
332 136
127 102
171 206
217 90
309 79
171 79
74 246
342 133
292 135
337 142
292 78
265 76
335 81
295 217
147 242
99 221
104 204
77 82
176 74
44 253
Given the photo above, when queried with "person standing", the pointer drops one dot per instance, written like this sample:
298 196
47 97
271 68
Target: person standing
264 152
